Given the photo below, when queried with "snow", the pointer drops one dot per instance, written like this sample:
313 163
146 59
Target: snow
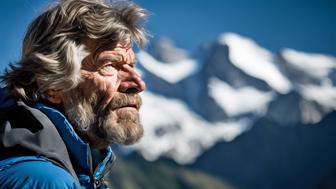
315 65
309 113
173 130
246 55
324 94
238 101
170 72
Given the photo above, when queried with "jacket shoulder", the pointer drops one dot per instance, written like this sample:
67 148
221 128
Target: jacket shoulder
26 131
35 173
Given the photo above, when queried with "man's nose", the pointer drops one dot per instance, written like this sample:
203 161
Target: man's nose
131 81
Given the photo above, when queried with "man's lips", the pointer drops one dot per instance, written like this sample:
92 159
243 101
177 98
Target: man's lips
135 106
121 100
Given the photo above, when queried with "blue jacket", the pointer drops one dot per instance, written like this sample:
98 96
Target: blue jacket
40 149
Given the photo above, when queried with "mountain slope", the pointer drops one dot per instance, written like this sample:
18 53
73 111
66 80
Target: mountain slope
133 172
273 156
196 101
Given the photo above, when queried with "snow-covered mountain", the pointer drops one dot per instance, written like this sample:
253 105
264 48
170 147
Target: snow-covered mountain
195 101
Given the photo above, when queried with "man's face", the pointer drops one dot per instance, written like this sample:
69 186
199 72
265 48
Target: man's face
104 107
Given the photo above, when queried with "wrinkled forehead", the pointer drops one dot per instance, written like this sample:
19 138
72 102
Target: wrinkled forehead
98 53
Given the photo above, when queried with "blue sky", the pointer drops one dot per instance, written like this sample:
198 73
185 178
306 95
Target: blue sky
301 24
308 25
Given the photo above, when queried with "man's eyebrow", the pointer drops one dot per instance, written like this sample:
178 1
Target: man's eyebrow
109 57
115 58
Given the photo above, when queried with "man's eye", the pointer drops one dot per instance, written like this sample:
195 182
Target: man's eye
109 69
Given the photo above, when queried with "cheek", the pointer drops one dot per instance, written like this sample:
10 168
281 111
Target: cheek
94 83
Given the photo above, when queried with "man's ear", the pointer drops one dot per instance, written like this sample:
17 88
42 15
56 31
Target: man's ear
55 96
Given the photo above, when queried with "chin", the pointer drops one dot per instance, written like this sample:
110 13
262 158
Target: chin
121 126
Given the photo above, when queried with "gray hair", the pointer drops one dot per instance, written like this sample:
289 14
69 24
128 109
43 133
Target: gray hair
52 49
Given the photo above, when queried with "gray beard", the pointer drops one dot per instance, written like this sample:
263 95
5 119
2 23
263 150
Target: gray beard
101 127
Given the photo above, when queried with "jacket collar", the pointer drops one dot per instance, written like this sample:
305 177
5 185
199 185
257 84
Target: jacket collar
79 150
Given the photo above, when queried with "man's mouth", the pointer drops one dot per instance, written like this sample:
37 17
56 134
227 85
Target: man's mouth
125 101
133 106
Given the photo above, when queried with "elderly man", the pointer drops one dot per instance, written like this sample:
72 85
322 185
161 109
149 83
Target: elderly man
75 90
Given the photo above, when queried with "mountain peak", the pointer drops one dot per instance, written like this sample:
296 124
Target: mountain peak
193 103
316 66
165 50
254 60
